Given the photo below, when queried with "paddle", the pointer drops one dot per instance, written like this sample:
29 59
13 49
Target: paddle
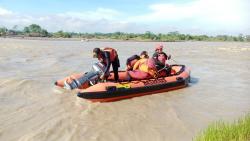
166 67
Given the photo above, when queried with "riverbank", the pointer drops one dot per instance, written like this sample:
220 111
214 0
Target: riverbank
73 39
239 130
95 39
35 30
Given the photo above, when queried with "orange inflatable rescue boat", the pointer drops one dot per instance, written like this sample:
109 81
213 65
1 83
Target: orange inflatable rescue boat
113 91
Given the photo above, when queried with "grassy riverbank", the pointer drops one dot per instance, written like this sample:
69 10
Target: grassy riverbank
222 131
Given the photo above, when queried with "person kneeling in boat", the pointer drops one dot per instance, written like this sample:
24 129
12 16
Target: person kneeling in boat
143 69
108 56
160 58
133 59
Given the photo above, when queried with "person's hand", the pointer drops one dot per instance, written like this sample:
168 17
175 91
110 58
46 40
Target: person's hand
128 67
102 77
153 73
156 75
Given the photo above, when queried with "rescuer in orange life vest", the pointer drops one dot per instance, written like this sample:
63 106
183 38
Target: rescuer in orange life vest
108 56
160 58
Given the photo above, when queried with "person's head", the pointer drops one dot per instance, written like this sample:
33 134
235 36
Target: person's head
159 48
96 52
144 54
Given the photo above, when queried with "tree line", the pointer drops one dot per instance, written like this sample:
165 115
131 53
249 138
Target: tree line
35 30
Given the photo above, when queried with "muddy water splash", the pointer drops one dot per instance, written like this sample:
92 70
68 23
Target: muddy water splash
31 108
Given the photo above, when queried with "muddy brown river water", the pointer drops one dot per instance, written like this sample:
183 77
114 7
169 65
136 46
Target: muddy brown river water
32 109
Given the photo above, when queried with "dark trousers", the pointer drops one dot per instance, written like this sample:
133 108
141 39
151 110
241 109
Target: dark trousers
115 66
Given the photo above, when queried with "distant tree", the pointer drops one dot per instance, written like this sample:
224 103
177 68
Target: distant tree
35 30
149 35
26 30
222 37
240 38
235 39
248 38
174 33
15 31
44 33
188 37
173 36
116 35
61 34
204 37
181 37
3 31
15 27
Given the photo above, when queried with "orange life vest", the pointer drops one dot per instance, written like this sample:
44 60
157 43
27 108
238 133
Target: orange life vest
112 52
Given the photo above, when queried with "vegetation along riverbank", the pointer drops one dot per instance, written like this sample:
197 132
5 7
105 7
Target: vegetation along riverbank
35 30
222 131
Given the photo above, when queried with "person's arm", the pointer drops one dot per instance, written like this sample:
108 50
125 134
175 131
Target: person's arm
106 57
155 56
128 67
136 65
132 58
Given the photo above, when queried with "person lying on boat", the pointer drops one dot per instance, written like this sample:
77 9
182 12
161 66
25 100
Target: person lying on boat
108 56
133 59
143 69
160 58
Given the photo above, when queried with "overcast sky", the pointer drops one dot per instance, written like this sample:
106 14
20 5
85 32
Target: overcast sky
211 17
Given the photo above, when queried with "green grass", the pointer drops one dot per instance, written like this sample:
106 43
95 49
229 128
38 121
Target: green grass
222 131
